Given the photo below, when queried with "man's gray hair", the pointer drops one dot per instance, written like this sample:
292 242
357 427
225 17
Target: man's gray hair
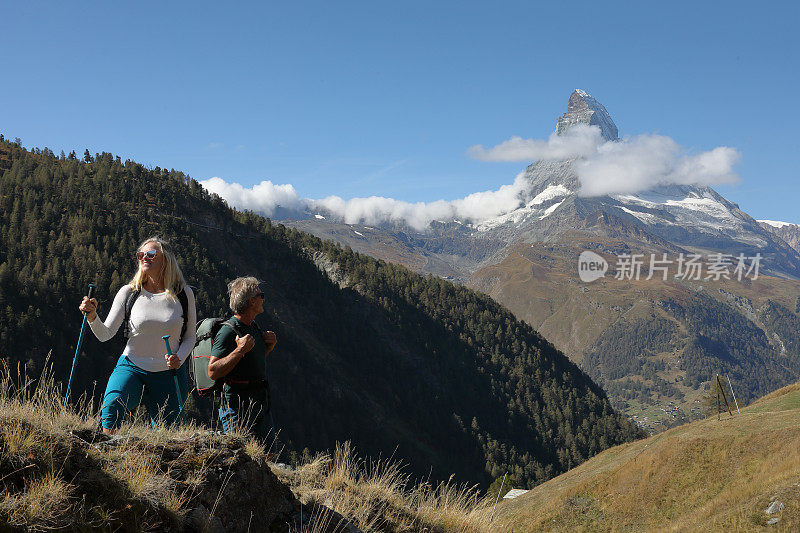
240 291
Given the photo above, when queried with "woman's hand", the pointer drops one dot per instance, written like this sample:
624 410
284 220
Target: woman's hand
173 362
89 308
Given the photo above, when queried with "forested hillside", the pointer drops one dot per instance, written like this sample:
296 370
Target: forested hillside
444 378
726 342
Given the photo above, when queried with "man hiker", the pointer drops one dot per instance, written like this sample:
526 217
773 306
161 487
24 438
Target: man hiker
240 358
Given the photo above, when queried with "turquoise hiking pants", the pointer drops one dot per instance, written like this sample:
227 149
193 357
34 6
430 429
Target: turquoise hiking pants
129 386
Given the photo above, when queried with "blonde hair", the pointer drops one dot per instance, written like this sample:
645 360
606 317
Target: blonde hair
172 276
240 291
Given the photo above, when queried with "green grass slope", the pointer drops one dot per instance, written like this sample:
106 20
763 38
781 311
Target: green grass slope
710 475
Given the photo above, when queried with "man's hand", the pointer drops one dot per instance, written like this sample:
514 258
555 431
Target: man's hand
270 339
245 344
173 363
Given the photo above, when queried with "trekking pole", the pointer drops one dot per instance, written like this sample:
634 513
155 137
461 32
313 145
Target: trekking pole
174 377
78 347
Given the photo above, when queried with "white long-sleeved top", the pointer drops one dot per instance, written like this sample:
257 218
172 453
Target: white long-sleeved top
152 317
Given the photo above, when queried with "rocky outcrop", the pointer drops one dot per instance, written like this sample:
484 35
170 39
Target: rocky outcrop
330 269
225 487
583 109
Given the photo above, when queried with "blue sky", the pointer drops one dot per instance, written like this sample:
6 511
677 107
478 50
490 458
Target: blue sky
376 98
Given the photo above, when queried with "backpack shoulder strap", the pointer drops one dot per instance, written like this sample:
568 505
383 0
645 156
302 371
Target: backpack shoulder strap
129 301
184 300
233 326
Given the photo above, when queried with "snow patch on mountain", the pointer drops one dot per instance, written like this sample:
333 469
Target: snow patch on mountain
514 217
647 218
707 208
550 193
690 207
537 206
549 210
777 223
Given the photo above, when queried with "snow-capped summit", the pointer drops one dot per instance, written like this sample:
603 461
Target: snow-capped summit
582 108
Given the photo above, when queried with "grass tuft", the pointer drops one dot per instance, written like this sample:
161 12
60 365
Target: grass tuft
44 503
378 496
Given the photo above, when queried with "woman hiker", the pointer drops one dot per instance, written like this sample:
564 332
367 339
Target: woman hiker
162 304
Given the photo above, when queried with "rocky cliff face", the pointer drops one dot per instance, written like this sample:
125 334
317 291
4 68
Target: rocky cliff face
583 109
786 231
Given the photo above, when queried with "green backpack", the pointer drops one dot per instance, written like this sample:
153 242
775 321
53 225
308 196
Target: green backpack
207 329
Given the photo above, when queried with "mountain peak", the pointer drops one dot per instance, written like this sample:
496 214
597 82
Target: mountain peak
582 108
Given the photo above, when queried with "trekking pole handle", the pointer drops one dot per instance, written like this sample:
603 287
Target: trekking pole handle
90 295
169 352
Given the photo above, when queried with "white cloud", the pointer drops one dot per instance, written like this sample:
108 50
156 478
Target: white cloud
580 140
266 197
476 207
626 166
647 161
261 198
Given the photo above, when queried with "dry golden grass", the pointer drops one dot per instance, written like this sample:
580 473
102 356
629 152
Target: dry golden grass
37 494
450 507
39 402
45 503
709 475
19 438
378 496
139 472
35 445
320 521
255 449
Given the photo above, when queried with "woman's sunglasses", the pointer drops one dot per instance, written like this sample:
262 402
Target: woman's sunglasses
150 254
